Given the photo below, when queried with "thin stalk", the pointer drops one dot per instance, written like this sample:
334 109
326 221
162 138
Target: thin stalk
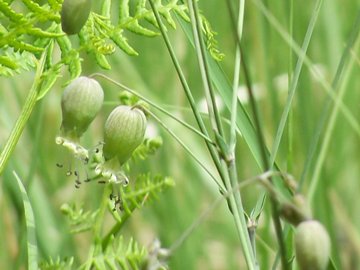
329 131
206 213
135 93
100 215
186 149
231 178
291 119
26 111
97 229
352 120
294 81
237 68
325 112
204 69
238 217
261 143
211 148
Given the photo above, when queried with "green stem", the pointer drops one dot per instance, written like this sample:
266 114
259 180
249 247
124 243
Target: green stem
186 149
239 217
186 88
205 137
330 128
100 216
204 69
237 67
261 143
291 119
294 81
26 111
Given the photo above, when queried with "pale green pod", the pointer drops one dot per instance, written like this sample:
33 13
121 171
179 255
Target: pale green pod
124 132
81 101
74 14
312 245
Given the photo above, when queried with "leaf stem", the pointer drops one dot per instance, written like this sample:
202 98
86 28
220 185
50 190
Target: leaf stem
26 111
135 93
211 148
204 69
261 142
237 67
186 149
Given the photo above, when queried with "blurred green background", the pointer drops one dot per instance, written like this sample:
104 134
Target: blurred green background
214 244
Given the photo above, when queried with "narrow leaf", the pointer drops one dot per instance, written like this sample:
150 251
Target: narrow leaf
32 249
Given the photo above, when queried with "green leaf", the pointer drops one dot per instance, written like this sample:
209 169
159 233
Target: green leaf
32 250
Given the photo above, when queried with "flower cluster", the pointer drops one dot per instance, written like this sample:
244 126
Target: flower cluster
124 130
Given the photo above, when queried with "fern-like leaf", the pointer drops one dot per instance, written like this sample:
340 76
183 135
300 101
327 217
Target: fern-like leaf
145 189
25 32
58 264
149 147
79 220
118 255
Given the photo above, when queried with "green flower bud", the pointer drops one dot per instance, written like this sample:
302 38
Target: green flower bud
296 211
124 132
81 101
74 14
312 245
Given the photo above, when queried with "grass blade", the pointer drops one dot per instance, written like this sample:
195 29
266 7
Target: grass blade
32 250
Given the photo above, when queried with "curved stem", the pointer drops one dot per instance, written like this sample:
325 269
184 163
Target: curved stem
26 111
205 137
211 148
261 143
186 149
204 69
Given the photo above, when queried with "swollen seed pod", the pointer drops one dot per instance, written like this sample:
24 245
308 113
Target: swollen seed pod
81 101
124 132
74 14
312 245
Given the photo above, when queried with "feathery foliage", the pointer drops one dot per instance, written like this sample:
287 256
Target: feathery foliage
25 33
118 255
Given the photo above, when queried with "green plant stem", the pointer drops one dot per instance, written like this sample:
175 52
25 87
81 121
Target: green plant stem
239 218
290 68
115 229
261 143
26 111
135 93
237 68
204 69
186 149
294 81
324 115
97 243
100 216
352 120
211 148
231 178
330 128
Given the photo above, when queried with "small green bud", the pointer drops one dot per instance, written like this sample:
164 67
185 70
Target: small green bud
312 245
81 101
124 132
296 211
74 14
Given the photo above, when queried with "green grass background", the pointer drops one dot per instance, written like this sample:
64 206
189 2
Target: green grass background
214 243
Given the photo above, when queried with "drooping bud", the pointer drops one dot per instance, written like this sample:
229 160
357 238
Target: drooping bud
296 211
74 14
124 132
81 101
312 245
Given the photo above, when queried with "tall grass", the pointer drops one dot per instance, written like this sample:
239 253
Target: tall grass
303 66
